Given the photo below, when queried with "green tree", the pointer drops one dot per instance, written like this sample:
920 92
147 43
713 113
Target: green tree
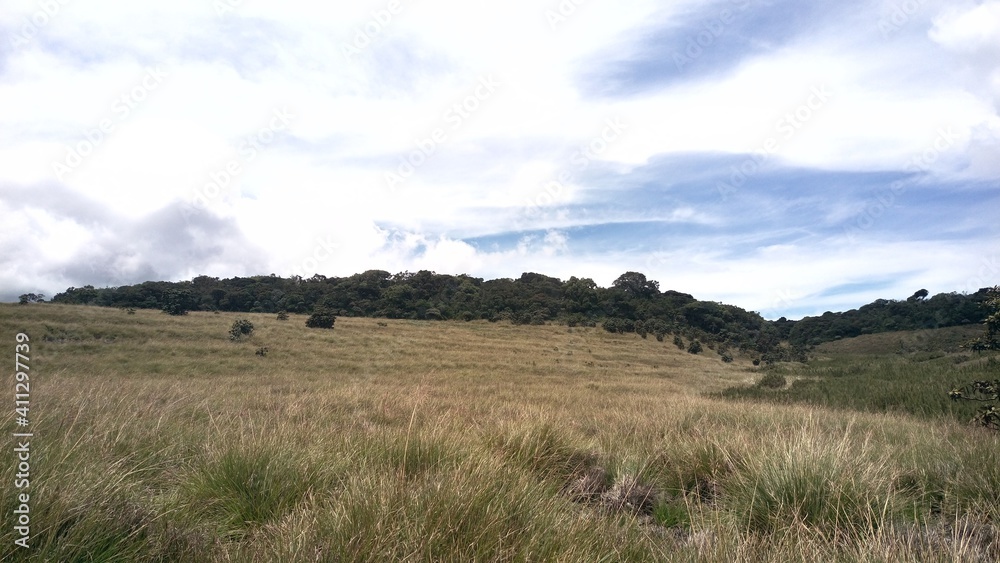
990 340
321 318
31 298
987 392
178 301
635 284
984 392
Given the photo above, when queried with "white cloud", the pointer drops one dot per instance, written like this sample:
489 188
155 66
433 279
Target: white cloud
317 195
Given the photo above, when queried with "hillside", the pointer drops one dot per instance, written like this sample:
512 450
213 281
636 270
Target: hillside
917 312
157 438
632 304
938 340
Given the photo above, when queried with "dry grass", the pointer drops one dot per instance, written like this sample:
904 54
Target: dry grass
159 439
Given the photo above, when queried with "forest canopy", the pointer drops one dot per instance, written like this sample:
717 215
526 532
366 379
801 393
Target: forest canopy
633 303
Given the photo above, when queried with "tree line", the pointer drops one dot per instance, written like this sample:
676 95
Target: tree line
632 303
917 312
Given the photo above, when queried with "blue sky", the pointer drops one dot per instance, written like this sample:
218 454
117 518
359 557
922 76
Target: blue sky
787 157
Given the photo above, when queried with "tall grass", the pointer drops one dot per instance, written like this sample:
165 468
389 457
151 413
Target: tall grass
890 383
158 439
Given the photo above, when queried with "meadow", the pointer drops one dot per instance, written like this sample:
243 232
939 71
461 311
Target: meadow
156 438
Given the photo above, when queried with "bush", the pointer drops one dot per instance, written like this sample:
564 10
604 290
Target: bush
619 325
678 341
178 301
985 392
31 298
240 329
175 308
772 381
695 347
321 318
282 315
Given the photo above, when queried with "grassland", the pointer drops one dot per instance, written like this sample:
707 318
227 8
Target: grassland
851 374
158 439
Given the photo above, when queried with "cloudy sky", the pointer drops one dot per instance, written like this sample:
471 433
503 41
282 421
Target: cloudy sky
785 156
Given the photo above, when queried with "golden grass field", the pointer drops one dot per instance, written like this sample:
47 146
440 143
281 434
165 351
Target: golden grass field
156 438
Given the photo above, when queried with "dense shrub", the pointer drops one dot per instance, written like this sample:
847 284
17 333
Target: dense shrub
694 347
240 329
31 298
321 318
772 381
619 325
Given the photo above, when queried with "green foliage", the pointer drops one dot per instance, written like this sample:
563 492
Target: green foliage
883 315
282 315
245 488
618 325
678 341
635 284
772 381
985 391
632 304
321 318
240 329
694 347
26 298
875 384
178 301
990 340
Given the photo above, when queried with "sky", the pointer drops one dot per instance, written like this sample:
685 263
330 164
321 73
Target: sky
784 156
